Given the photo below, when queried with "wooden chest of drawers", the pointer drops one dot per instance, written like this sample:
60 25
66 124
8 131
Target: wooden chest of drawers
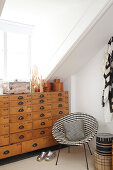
26 121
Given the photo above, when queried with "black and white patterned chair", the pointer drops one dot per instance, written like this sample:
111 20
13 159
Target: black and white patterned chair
90 128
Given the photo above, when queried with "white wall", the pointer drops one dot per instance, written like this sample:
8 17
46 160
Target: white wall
67 87
88 91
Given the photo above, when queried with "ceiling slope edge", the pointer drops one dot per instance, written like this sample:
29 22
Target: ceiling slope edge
94 21
2 2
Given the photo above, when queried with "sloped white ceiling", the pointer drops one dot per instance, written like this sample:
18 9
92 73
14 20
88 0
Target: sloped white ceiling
53 21
88 47
35 11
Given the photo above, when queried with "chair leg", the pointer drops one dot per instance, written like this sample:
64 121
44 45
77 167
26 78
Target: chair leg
89 149
86 157
57 156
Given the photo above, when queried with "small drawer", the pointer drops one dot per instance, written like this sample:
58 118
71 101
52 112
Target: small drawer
4 111
4 140
66 93
20 103
20 97
41 107
51 141
4 129
38 133
4 120
58 112
41 95
66 100
4 98
58 94
66 106
41 115
58 99
19 127
42 123
20 109
20 117
10 150
58 105
21 136
4 104
34 144
41 101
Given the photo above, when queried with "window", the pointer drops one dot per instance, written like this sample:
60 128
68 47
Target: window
17 56
15 53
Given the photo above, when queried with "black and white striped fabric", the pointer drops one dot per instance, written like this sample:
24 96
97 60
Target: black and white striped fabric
90 128
108 77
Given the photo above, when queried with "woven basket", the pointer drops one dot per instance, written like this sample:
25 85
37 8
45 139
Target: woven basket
102 162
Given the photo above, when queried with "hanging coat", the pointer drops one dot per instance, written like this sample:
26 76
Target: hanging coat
107 98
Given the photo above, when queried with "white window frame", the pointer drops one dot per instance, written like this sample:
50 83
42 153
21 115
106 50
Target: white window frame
7 26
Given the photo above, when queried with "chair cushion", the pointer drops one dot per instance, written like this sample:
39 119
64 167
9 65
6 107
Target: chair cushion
74 131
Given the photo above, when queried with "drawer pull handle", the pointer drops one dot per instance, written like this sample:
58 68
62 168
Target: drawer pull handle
20 103
20 110
60 112
21 118
5 103
21 127
42 107
60 105
41 95
21 136
41 115
6 152
42 123
41 101
42 132
20 97
34 145
59 94
5 109
60 99
5 97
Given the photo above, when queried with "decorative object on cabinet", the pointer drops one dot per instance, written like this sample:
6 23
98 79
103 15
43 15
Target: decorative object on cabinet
57 80
16 87
1 86
41 85
34 80
47 87
37 84
57 85
90 129
26 121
